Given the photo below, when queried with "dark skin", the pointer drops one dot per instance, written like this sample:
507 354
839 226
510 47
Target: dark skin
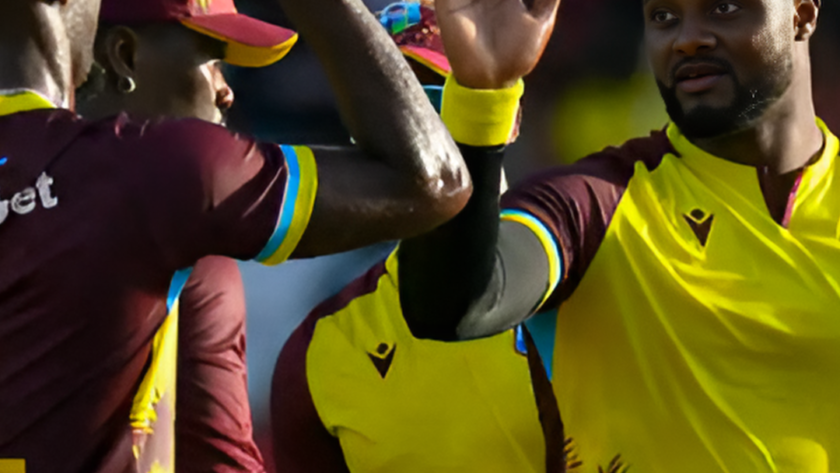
52 64
490 45
180 73
751 35
758 38
406 175
493 48
177 72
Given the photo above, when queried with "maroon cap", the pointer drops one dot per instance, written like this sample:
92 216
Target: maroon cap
251 42
413 26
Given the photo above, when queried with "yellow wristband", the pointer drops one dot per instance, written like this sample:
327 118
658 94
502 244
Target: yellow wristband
480 117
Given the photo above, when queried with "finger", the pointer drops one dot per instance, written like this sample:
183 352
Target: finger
543 8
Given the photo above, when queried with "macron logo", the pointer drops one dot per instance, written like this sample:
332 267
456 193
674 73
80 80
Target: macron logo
25 201
383 358
701 224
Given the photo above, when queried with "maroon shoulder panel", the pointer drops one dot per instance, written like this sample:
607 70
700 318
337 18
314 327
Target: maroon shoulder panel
301 442
213 423
577 202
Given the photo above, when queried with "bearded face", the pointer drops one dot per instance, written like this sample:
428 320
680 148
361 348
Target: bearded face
719 66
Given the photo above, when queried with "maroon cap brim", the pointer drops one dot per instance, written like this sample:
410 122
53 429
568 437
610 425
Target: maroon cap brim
429 58
251 42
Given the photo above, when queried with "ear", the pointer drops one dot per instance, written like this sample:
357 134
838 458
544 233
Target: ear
121 44
805 19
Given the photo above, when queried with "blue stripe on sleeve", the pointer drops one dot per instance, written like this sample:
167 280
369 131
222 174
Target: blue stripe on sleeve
179 280
287 212
546 237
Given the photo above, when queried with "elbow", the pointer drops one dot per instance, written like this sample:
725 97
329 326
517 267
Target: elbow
446 192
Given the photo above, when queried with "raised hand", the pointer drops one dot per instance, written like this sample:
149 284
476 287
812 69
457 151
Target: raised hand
493 43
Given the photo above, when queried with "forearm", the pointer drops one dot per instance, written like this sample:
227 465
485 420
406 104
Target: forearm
381 102
471 277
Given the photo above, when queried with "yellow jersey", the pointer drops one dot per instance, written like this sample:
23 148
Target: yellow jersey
694 332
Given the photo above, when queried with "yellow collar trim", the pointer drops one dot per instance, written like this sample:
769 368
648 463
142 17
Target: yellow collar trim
23 100
741 178
701 160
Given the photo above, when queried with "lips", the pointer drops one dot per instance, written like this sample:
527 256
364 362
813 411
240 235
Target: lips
698 77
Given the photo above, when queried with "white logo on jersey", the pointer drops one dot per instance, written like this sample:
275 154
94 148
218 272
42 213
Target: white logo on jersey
26 200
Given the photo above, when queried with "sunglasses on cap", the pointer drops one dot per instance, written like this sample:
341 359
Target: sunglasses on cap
398 17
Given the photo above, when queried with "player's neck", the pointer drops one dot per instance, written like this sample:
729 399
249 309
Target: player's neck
34 52
783 140
104 104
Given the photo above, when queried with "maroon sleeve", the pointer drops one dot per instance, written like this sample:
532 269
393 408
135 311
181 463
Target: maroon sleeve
213 422
301 442
577 202
200 189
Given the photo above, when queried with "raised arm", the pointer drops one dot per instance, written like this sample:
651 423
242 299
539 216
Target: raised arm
407 175
467 278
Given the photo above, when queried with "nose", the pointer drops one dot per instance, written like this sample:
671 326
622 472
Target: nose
224 97
224 94
693 38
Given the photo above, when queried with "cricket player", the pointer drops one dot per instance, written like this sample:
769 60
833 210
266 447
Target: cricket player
195 395
355 391
98 216
695 273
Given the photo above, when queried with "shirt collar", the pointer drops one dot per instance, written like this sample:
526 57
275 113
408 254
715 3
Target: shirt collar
704 163
22 100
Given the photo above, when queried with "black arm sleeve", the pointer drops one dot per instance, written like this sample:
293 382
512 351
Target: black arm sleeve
466 279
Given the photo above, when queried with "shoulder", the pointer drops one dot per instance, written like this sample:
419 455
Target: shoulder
165 138
298 343
601 177
613 165
365 284
42 131
574 205
176 134
64 126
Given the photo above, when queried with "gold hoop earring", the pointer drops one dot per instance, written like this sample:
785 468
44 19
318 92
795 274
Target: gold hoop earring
126 85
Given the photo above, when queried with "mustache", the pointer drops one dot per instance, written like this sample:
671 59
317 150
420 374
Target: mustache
722 63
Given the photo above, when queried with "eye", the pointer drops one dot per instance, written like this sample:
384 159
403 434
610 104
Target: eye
662 16
726 8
